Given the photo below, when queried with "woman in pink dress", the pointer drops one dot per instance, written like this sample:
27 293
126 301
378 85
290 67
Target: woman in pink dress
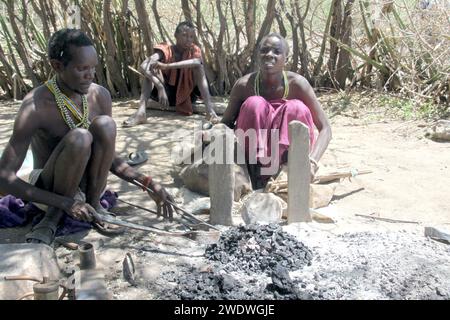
263 103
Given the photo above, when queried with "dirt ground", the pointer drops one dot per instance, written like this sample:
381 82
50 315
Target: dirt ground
354 258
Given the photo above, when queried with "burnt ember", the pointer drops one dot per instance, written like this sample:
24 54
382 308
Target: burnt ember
259 248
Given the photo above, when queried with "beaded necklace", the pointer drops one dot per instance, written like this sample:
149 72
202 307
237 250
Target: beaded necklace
67 107
286 85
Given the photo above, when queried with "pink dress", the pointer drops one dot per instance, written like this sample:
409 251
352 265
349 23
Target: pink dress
270 120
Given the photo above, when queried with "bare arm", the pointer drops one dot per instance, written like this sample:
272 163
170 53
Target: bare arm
26 123
237 97
148 68
180 64
305 92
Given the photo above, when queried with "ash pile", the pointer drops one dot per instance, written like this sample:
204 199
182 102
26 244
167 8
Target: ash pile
259 248
248 262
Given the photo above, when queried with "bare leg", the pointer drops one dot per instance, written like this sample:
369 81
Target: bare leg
202 84
62 175
140 116
103 131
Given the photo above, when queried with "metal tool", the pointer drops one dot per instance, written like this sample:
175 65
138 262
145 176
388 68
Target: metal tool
113 220
192 223
175 206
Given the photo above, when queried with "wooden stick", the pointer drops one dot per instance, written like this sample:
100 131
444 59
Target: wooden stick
338 175
386 219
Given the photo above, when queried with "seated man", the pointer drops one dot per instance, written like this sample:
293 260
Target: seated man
270 99
182 77
67 121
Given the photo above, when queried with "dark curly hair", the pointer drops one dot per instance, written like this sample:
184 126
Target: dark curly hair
61 40
182 25
280 37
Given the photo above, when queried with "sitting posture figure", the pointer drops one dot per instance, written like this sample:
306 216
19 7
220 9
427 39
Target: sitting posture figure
180 81
67 121
270 99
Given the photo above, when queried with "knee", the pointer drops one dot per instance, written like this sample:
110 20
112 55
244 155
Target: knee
79 141
103 127
254 104
297 108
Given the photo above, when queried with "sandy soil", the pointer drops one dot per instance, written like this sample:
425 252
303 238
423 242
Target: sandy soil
409 182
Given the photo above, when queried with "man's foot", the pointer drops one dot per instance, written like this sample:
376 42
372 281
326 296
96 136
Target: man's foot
41 234
134 120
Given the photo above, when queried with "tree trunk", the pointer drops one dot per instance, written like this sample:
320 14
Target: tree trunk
161 29
265 28
124 24
144 24
319 62
304 53
343 69
335 31
186 10
19 45
222 79
115 73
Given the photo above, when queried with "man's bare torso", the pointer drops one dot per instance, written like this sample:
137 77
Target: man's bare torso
52 128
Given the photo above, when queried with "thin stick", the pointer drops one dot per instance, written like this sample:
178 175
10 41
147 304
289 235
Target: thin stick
136 206
22 278
386 219
154 212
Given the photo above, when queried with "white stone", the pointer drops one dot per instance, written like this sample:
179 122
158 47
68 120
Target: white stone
440 130
262 208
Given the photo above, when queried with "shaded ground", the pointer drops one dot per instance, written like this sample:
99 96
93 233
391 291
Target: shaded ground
352 259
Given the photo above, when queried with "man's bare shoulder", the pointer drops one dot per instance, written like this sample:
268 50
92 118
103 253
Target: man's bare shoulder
245 80
37 99
100 96
97 90
297 79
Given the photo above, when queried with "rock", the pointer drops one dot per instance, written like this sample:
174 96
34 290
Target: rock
262 208
321 194
438 234
195 178
439 131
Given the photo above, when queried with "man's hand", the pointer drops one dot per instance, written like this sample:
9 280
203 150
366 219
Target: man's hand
159 196
159 66
212 117
314 168
82 211
162 97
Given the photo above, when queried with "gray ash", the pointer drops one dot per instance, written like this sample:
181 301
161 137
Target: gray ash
248 262
258 248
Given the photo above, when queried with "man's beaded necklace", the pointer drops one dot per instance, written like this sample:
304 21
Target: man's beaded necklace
285 83
69 111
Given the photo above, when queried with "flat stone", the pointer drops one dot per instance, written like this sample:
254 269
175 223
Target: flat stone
298 173
439 234
262 208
